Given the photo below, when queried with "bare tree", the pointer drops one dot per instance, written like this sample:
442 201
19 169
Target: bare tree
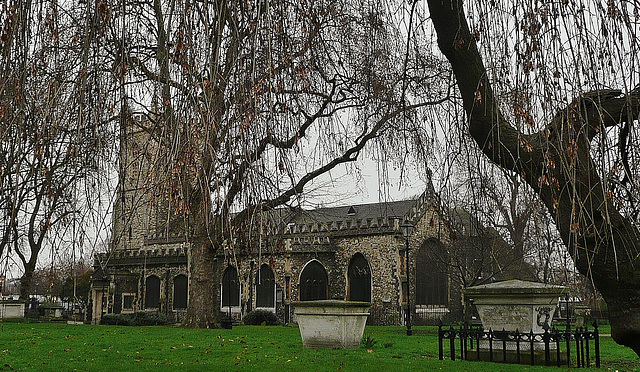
248 102
579 160
545 250
478 253
52 132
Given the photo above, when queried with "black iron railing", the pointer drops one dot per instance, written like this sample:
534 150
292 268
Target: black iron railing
522 347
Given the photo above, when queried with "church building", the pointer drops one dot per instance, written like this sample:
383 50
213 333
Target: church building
350 252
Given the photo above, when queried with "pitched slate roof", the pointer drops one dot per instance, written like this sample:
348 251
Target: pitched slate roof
355 212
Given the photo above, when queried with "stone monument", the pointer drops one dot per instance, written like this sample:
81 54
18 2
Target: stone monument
332 324
515 305
12 309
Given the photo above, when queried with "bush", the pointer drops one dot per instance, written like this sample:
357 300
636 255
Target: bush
116 319
33 314
261 317
144 318
141 318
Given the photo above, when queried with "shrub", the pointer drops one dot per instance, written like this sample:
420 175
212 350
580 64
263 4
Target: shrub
145 318
260 317
141 318
33 314
116 319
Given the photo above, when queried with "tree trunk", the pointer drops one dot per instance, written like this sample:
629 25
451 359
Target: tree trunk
201 312
604 244
202 307
26 281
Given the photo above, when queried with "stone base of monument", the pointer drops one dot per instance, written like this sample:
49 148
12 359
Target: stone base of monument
12 309
331 324
511 346
510 306
511 356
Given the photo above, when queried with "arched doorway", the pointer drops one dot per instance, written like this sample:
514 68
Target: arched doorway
152 292
359 276
266 288
313 282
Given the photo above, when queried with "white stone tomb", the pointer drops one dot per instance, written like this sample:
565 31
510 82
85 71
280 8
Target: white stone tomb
332 324
515 305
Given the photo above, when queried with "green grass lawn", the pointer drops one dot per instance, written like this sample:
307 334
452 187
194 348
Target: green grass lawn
63 347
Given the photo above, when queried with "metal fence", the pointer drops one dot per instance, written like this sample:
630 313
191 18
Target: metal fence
523 348
385 315
431 315
396 315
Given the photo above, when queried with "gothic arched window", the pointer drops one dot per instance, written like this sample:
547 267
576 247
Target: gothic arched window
152 292
230 287
359 275
313 282
431 278
180 292
265 287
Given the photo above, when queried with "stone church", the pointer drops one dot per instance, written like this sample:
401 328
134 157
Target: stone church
351 252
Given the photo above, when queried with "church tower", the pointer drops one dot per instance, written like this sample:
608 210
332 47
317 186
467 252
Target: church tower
146 266
135 212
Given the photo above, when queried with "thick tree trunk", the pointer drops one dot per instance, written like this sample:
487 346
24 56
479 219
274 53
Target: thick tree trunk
26 281
201 312
202 307
556 163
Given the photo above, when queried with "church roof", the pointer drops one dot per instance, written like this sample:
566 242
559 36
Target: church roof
357 219
355 212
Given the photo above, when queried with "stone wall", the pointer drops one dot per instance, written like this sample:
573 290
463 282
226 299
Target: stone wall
383 251
126 271
382 254
382 245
